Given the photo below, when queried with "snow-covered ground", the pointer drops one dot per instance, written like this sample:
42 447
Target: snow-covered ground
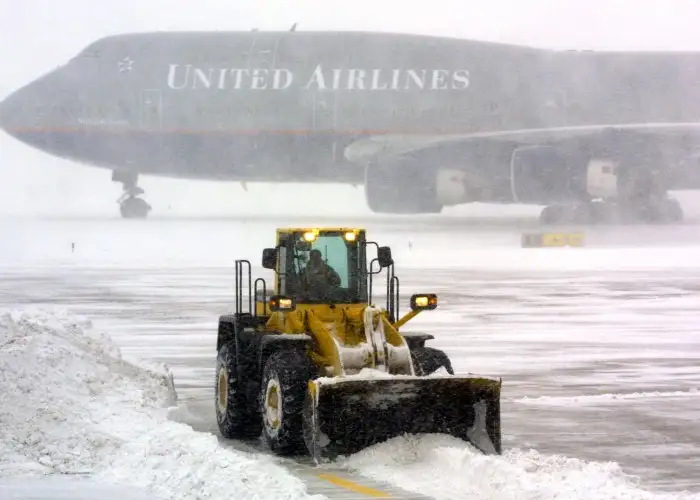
449 469
598 348
70 405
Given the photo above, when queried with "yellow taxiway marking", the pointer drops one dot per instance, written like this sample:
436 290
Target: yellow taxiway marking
352 486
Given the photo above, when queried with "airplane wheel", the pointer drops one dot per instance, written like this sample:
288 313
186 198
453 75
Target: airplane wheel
600 212
667 211
552 214
134 208
663 211
566 214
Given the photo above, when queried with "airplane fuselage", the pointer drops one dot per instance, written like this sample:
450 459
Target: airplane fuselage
302 106
283 106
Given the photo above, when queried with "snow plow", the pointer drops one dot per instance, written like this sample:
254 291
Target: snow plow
316 368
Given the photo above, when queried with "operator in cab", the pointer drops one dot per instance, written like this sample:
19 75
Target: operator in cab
319 277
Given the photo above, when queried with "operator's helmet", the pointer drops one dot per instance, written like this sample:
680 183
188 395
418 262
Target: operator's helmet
315 267
315 255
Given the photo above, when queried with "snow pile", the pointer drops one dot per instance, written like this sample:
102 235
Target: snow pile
446 468
69 404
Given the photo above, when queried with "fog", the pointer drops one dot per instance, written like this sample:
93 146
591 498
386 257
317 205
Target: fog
37 35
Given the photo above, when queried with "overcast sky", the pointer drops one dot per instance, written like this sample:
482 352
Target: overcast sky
37 35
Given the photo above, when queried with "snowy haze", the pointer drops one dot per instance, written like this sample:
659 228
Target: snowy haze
38 35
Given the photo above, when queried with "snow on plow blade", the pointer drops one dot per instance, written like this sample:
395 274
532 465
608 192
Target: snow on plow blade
344 415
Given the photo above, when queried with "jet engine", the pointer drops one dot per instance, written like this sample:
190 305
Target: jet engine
412 186
537 175
401 186
542 175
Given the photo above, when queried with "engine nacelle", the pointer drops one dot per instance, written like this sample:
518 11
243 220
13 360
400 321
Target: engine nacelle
401 186
540 175
601 178
543 175
408 185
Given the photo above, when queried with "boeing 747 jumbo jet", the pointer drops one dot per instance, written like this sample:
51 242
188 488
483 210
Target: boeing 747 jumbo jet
423 122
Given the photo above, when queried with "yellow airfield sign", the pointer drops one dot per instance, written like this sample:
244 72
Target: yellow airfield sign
544 240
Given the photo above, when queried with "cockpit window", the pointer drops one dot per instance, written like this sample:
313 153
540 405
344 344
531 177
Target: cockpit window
94 52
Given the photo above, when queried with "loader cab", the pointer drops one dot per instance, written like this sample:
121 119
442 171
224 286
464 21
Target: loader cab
343 252
340 278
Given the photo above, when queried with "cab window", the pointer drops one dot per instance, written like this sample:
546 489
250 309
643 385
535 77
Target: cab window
339 277
335 254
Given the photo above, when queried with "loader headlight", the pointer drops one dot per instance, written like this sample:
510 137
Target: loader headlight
309 236
423 302
350 236
282 303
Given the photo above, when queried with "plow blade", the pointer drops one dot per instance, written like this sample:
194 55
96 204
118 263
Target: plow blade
344 416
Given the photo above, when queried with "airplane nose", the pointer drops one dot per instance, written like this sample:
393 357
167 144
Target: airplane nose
31 113
8 110
18 109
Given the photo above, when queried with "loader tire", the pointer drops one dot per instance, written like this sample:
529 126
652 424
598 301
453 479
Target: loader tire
427 360
236 419
282 395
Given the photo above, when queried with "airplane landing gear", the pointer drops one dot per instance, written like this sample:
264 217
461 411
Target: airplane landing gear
133 207
662 211
130 205
641 198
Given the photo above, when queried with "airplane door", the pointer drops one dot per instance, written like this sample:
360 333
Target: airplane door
151 109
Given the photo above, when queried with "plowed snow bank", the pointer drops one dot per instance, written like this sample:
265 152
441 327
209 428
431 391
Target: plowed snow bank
447 468
70 404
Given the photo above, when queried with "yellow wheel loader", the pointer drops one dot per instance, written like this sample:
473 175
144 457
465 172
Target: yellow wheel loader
317 368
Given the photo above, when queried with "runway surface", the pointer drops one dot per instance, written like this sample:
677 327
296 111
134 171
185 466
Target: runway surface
599 347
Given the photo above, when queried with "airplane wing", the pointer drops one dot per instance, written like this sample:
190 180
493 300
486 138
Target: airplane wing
365 150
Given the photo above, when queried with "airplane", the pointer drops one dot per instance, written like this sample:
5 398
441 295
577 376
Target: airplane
423 122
